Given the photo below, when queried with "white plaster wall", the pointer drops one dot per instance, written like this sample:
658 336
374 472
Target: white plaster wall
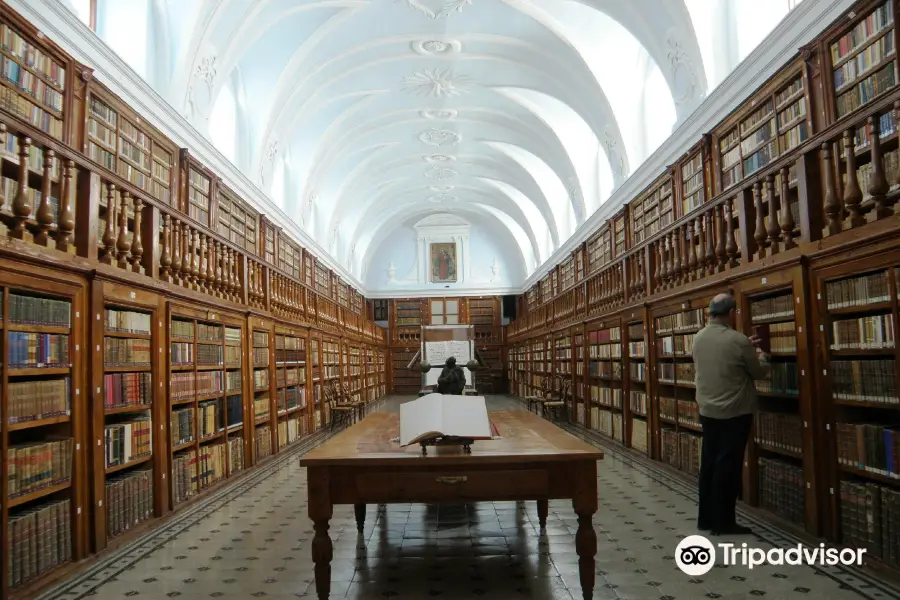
485 245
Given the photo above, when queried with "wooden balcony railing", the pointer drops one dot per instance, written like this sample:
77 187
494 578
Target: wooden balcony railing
54 197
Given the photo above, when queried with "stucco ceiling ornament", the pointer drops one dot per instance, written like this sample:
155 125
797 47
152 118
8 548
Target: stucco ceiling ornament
271 153
439 114
206 71
443 198
684 74
439 172
437 83
309 199
616 160
436 47
437 9
438 158
441 188
440 137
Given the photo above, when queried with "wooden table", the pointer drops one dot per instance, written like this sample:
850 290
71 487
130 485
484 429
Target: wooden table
533 460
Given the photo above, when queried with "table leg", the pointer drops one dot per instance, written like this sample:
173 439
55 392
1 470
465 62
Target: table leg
585 505
320 512
360 510
542 513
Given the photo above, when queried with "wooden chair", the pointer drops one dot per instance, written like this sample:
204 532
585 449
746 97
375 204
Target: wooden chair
533 402
559 403
357 402
340 413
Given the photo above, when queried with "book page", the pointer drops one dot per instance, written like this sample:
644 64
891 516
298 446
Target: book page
420 419
466 416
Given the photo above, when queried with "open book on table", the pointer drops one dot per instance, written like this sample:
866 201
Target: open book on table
439 415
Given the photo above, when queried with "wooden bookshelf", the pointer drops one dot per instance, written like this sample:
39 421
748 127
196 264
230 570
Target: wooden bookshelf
42 420
653 210
290 257
693 183
599 249
117 139
637 404
405 381
603 383
199 185
264 388
237 221
291 385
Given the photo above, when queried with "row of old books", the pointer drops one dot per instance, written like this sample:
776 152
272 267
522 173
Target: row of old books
129 500
599 336
781 487
233 381
40 538
678 345
128 441
210 418
688 413
127 389
781 378
602 351
260 357
638 402
40 399
864 380
783 431
29 310
209 383
232 334
292 397
637 371
127 321
184 475
182 426
122 352
182 386
858 291
233 355
39 465
181 329
869 447
636 349
261 407
290 430
31 350
234 408
181 353
211 464
681 450
209 332
683 321
682 372
639 435
605 369
870 519
261 379
293 376
772 308
607 396
209 355
864 333
235 454
867 90
782 338
608 423
263 441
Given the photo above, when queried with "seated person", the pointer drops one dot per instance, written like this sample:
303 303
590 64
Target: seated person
452 379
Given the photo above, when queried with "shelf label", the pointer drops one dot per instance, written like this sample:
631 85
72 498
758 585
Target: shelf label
98 390
765 281
99 502
79 510
98 316
132 295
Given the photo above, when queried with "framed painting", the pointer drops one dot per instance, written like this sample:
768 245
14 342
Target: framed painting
443 262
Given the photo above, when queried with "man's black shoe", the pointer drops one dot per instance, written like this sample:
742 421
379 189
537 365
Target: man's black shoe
734 530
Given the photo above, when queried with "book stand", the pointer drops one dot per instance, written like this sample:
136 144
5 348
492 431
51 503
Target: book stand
449 440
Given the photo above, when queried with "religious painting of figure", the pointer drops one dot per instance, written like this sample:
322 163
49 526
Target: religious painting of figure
443 262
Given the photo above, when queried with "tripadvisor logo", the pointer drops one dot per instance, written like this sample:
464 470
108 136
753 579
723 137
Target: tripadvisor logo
695 555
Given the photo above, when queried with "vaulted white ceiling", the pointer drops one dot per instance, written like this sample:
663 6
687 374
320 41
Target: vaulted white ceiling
355 115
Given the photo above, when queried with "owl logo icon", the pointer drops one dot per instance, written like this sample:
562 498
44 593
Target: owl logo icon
695 555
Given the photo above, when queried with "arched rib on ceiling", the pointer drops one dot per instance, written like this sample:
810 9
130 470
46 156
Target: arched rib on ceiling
325 79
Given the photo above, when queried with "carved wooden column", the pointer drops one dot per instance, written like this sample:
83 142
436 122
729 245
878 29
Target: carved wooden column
185 255
878 185
66 224
721 255
44 215
834 212
694 231
123 246
176 251
731 247
760 233
660 260
21 205
202 281
137 243
852 191
773 229
165 260
787 216
109 237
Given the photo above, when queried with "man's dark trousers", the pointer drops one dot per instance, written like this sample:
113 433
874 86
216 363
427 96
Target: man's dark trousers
721 461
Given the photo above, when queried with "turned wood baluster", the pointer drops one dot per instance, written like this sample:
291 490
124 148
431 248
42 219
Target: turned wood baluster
760 234
21 205
137 242
731 247
165 260
694 232
721 254
176 251
66 225
670 260
641 287
774 229
211 252
232 280
660 260
677 264
3 133
217 269
123 246
852 191
833 209
260 292
201 264
195 259
894 178
878 185
787 216
185 255
710 232
44 215
109 236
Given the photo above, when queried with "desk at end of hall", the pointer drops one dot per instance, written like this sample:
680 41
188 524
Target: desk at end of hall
533 460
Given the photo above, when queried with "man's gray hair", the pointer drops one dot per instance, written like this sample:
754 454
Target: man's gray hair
721 305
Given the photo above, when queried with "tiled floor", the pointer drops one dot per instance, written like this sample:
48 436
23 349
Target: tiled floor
253 541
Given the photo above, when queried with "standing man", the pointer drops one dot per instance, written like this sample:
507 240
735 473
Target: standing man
727 363
452 379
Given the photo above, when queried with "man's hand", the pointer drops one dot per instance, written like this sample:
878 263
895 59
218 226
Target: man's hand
755 340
